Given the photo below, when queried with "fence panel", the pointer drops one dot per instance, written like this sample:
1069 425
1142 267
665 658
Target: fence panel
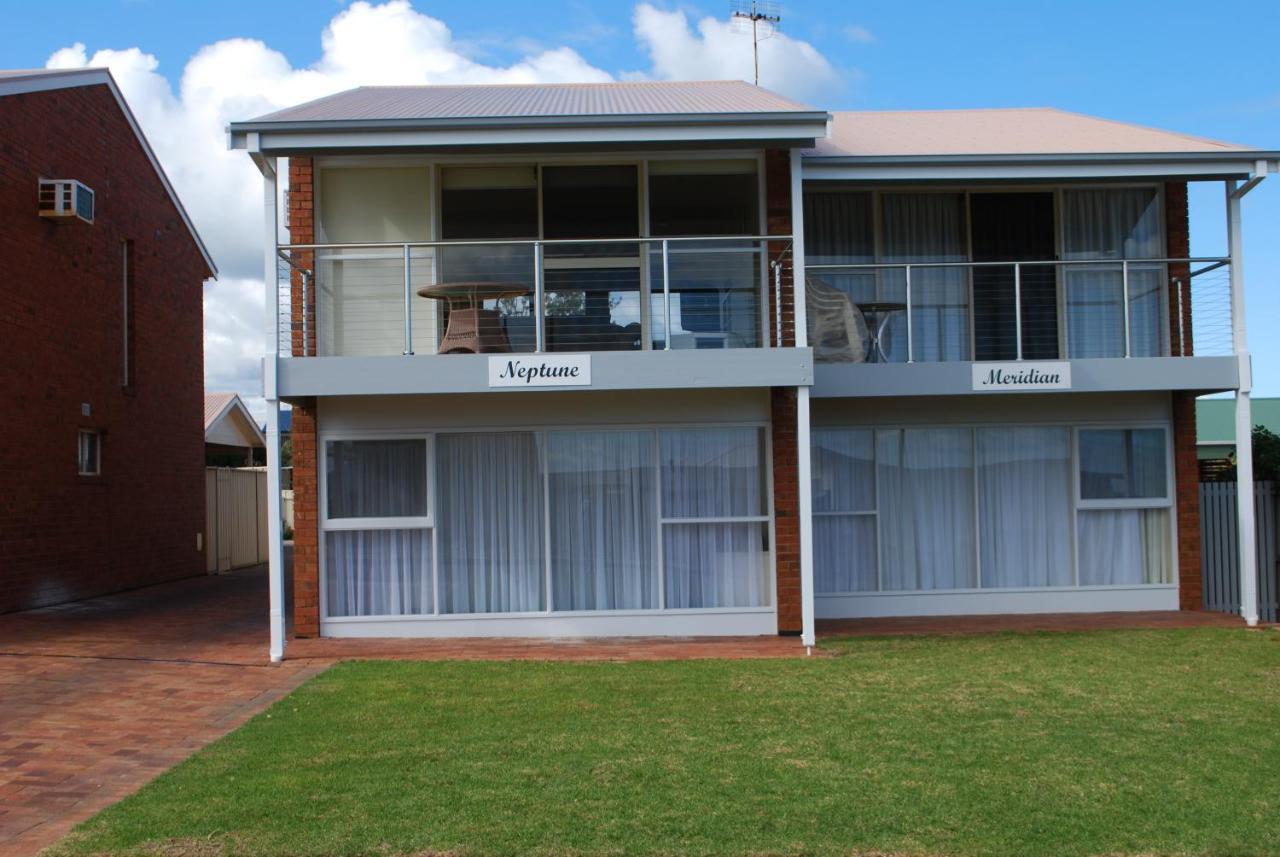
235 518
1220 546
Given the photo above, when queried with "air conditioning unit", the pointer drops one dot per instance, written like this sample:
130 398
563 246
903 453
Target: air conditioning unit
66 199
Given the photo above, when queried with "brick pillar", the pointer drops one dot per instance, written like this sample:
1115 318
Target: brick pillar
1178 239
306 522
782 400
1186 470
302 231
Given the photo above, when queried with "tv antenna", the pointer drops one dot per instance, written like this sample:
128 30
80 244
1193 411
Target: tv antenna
765 22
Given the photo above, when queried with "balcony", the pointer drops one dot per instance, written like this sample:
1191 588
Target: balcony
922 328
647 312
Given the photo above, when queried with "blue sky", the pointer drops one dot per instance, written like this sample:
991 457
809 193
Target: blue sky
1208 69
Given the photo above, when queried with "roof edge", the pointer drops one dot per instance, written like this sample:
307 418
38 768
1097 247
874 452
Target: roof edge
52 79
1044 159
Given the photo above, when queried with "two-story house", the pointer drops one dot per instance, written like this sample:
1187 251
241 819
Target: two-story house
695 359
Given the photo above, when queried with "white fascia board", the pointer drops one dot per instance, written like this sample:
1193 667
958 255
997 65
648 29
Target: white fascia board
817 169
794 135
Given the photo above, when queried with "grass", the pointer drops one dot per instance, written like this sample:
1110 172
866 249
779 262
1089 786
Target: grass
1152 742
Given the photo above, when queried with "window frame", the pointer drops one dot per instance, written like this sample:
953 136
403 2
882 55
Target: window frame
96 436
326 524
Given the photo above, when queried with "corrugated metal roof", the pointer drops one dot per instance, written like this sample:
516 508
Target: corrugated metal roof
538 100
1216 418
214 405
1016 131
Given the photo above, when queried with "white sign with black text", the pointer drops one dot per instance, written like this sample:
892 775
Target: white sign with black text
540 370
1055 375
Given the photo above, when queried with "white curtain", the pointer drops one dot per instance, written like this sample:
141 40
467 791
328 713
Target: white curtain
844 502
376 478
713 473
928 227
378 572
1111 225
603 509
926 494
1024 506
1124 546
491 522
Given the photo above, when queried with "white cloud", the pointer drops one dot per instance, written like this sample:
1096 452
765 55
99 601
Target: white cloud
364 44
716 48
861 35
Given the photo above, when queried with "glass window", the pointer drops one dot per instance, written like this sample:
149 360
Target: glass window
1124 546
1024 506
926 227
90 461
844 504
490 522
924 482
703 198
1117 464
376 478
488 202
710 477
602 497
378 572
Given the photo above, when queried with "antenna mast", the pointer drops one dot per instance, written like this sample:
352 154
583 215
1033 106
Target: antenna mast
764 18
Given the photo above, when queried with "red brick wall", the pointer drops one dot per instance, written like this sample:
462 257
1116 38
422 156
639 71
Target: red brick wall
62 536
1186 474
782 400
306 522
1178 238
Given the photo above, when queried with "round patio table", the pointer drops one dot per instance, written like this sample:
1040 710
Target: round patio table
472 329
880 311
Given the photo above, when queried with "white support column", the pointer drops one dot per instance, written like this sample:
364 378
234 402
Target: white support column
275 525
804 489
1247 552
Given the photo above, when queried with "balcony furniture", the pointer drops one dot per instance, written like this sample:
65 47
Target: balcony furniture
472 329
879 313
837 329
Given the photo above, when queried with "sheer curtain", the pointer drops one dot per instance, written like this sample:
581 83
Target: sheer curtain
714 473
925 487
928 227
603 510
384 571
490 523
1111 225
1024 506
844 502
378 572
1124 546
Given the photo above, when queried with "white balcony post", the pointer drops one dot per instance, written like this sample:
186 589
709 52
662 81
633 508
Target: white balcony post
1124 288
1017 308
666 295
911 350
808 628
1247 551
270 364
408 306
539 302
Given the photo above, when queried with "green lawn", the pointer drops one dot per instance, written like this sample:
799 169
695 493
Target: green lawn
1163 742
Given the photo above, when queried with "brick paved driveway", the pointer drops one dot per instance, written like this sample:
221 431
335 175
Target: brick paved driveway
99 697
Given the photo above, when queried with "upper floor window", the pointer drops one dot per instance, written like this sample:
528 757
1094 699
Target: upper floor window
90 453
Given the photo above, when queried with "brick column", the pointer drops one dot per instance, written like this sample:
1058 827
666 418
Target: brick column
1186 475
1178 246
782 400
306 522
302 231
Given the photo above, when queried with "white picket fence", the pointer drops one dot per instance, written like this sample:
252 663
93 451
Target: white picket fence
235 532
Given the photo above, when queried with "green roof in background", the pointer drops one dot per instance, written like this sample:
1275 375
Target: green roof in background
1216 418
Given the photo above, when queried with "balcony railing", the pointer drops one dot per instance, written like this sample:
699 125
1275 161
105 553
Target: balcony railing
529 296
1032 310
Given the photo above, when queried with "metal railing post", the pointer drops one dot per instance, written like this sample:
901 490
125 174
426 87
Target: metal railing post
777 303
539 302
666 295
1124 287
408 307
911 351
1182 334
306 310
1017 309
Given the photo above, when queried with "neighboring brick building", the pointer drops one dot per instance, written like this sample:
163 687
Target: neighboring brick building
101 357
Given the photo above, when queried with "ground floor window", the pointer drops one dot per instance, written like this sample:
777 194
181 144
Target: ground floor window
537 521
990 507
